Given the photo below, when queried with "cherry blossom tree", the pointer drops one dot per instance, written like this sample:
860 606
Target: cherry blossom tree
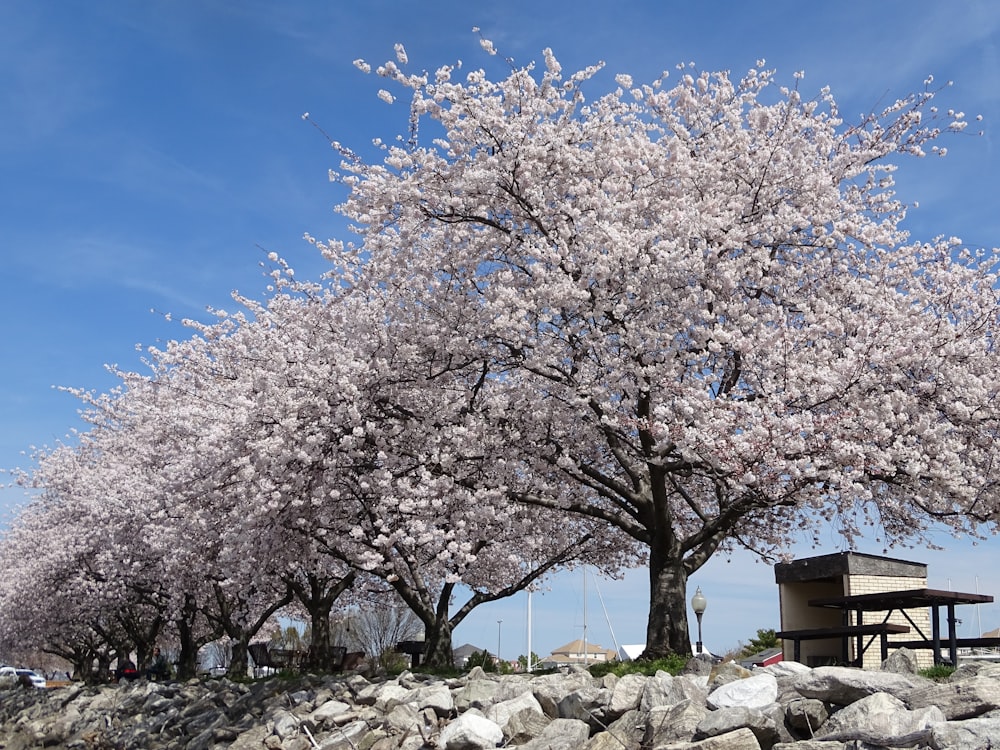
74 585
352 427
690 312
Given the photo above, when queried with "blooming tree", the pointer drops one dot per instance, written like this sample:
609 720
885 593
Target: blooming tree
689 312
76 583
350 451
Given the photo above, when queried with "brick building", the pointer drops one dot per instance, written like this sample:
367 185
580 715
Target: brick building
846 574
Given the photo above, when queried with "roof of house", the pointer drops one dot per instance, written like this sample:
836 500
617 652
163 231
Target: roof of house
760 657
577 647
467 649
631 651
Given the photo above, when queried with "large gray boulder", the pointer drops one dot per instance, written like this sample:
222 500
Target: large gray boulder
958 700
665 724
901 661
626 694
741 739
970 734
560 734
755 691
881 715
726 720
502 712
470 731
844 685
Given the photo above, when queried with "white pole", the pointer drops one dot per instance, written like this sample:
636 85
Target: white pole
529 631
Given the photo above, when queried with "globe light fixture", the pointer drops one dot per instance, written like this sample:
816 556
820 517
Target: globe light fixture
698 604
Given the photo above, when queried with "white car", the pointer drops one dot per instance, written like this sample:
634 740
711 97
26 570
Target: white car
36 679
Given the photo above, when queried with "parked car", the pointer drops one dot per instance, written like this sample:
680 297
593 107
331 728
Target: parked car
36 679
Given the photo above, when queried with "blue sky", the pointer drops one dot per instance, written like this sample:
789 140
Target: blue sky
152 152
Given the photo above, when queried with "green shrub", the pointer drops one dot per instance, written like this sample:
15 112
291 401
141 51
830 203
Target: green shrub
938 673
672 664
766 638
481 659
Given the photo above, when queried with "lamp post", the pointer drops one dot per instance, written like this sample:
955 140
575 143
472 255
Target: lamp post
698 604
499 623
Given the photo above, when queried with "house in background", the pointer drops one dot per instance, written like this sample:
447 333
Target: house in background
461 654
580 653
764 658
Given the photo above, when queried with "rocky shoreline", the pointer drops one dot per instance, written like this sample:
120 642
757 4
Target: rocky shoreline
786 706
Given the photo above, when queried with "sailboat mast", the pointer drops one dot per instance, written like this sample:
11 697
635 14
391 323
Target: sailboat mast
529 630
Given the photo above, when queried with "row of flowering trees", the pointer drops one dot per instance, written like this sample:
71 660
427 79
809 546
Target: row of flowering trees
290 458
642 329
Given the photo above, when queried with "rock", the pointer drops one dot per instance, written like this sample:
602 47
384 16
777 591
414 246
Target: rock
700 665
524 725
550 689
727 720
626 694
786 669
881 715
436 696
626 732
347 737
726 672
844 685
476 693
656 692
589 705
470 731
503 711
741 739
958 700
970 734
673 723
560 734
754 691
901 661
875 709
806 715
329 712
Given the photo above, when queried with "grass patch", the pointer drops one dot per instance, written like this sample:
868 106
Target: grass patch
938 673
672 664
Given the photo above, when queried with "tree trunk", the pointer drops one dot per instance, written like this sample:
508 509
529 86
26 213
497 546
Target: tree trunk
239 663
187 660
103 669
438 652
318 600
318 657
667 627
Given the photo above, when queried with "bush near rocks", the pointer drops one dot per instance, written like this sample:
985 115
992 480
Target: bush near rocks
786 706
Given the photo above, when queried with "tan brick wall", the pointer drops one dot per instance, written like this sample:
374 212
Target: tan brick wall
863 584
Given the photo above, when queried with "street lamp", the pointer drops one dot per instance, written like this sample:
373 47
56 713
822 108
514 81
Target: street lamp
499 623
698 604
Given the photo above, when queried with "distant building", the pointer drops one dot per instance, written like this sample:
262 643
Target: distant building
462 654
578 652
631 651
765 658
